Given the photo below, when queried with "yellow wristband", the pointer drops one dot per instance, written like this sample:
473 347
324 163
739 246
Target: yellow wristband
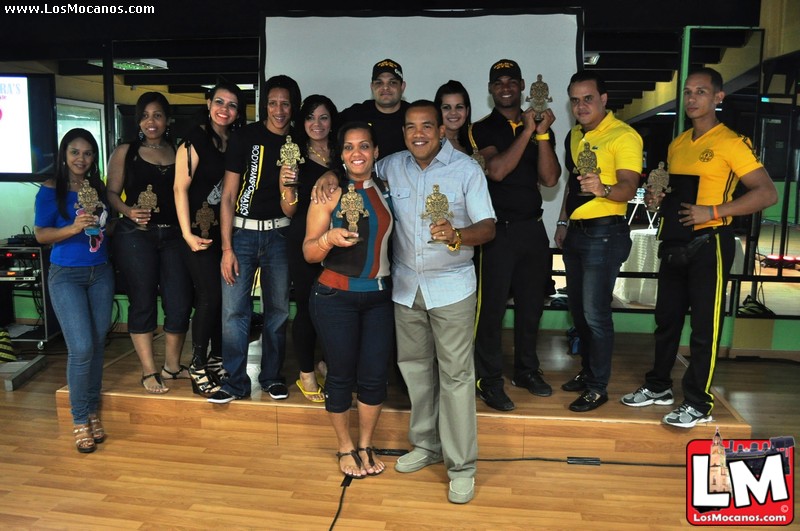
543 136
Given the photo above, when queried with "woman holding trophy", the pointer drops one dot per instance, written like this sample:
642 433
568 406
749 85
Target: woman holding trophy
199 169
351 301
148 248
317 141
71 213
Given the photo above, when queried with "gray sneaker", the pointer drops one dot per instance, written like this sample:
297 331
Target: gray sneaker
645 397
415 460
685 416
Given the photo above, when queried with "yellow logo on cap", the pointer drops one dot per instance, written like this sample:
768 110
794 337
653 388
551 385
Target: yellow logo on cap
505 64
390 64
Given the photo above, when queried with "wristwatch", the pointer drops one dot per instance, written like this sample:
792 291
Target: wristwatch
607 190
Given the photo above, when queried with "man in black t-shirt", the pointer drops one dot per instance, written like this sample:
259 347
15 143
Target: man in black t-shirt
386 111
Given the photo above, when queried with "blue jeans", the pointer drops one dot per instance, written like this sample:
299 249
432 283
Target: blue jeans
82 299
592 259
357 329
254 249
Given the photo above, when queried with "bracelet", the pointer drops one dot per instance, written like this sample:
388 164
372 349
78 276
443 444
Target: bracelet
228 249
327 247
543 136
456 245
283 198
562 223
714 210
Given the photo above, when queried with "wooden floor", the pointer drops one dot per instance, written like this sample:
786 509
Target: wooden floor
177 462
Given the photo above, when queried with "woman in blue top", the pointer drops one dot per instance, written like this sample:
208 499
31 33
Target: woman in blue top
351 302
71 213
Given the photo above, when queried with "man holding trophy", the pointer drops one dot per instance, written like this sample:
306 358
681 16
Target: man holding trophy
604 160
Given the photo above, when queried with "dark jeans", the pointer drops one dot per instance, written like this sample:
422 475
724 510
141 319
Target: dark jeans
700 285
204 270
357 329
592 258
152 263
516 263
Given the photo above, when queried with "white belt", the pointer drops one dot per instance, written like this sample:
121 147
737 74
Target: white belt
260 224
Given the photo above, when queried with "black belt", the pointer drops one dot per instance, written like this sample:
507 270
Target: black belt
596 222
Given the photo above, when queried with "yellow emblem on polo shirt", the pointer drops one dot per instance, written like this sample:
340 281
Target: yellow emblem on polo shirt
706 155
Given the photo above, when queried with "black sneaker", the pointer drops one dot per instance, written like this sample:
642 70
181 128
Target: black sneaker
277 391
576 384
495 397
222 397
534 383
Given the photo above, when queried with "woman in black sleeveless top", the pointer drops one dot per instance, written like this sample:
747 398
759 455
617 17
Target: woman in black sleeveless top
147 244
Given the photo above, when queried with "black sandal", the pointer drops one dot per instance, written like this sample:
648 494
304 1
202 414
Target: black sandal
158 379
176 375
356 458
369 450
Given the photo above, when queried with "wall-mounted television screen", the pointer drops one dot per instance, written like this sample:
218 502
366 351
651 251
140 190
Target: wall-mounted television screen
28 136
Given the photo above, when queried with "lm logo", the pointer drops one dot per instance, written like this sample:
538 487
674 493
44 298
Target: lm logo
744 482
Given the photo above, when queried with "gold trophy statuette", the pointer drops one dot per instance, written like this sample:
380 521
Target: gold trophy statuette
436 207
89 201
290 156
149 200
657 182
204 220
351 208
539 97
587 163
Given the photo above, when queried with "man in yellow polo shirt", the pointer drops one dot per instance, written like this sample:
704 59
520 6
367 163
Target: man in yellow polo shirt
697 247
592 230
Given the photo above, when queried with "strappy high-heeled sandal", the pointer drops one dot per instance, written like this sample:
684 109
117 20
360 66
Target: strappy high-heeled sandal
83 438
215 365
204 382
98 431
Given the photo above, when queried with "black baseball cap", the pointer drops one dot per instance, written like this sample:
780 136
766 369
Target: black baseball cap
387 65
504 67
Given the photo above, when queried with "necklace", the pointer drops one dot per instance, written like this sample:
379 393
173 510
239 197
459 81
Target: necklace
153 146
318 154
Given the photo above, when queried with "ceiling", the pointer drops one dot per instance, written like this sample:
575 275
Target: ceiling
638 40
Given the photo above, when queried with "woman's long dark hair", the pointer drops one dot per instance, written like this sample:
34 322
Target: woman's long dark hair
62 171
144 100
455 87
310 104
241 117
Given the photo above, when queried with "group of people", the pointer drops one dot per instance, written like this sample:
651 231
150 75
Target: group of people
402 229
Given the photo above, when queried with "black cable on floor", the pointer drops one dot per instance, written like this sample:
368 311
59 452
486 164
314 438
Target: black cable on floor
345 483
